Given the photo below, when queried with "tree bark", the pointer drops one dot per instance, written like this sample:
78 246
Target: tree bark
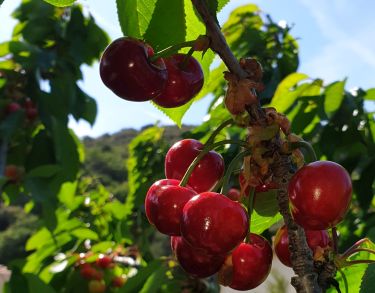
305 280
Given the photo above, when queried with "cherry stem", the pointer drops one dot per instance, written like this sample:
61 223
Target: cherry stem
206 149
355 245
345 280
250 207
307 147
185 63
171 50
231 168
358 250
356 262
218 129
335 239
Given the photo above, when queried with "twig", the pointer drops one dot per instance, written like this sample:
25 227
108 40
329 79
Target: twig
306 279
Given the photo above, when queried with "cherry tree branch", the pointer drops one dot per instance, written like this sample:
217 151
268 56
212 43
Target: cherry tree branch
306 279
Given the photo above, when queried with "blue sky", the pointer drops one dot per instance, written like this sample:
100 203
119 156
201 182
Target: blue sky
336 38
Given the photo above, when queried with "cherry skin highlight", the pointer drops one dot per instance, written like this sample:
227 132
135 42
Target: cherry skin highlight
320 195
206 174
315 239
125 69
195 262
164 205
214 223
185 80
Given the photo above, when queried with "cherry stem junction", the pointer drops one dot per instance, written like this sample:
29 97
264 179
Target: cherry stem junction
226 123
207 148
171 50
307 147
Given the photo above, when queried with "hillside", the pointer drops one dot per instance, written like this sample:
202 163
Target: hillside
106 156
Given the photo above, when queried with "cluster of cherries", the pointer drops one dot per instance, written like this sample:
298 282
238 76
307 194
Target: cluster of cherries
210 231
133 72
99 273
28 106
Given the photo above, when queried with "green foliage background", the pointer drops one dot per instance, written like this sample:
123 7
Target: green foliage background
88 196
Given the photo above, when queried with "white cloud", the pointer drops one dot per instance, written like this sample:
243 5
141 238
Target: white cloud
350 42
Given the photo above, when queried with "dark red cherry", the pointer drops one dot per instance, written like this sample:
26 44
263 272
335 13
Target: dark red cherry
185 80
12 107
195 262
213 222
234 194
315 239
125 69
206 174
251 263
104 261
320 195
164 205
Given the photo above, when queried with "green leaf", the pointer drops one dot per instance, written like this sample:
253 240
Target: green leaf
155 281
368 280
334 95
285 96
134 16
175 114
116 208
159 33
85 233
37 285
60 3
39 239
44 171
370 95
265 213
1 2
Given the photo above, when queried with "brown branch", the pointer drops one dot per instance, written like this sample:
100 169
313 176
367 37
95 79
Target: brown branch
306 279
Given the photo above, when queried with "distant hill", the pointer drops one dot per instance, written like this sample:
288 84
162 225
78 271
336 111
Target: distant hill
106 156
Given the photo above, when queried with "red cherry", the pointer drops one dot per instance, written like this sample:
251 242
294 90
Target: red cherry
234 194
29 103
185 80
164 205
251 263
118 282
12 107
195 262
90 273
213 222
314 239
13 173
205 175
125 68
259 188
31 113
104 261
96 286
320 195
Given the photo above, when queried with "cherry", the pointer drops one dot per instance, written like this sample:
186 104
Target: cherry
96 287
31 113
315 239
88 272
195 262
118 282
13 173
164 203
185 80
251 263
104 261
213 222
234 194
125 69
320 195
12 107
205 175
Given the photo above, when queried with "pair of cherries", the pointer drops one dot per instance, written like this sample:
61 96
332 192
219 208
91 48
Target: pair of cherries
206 228
128 68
